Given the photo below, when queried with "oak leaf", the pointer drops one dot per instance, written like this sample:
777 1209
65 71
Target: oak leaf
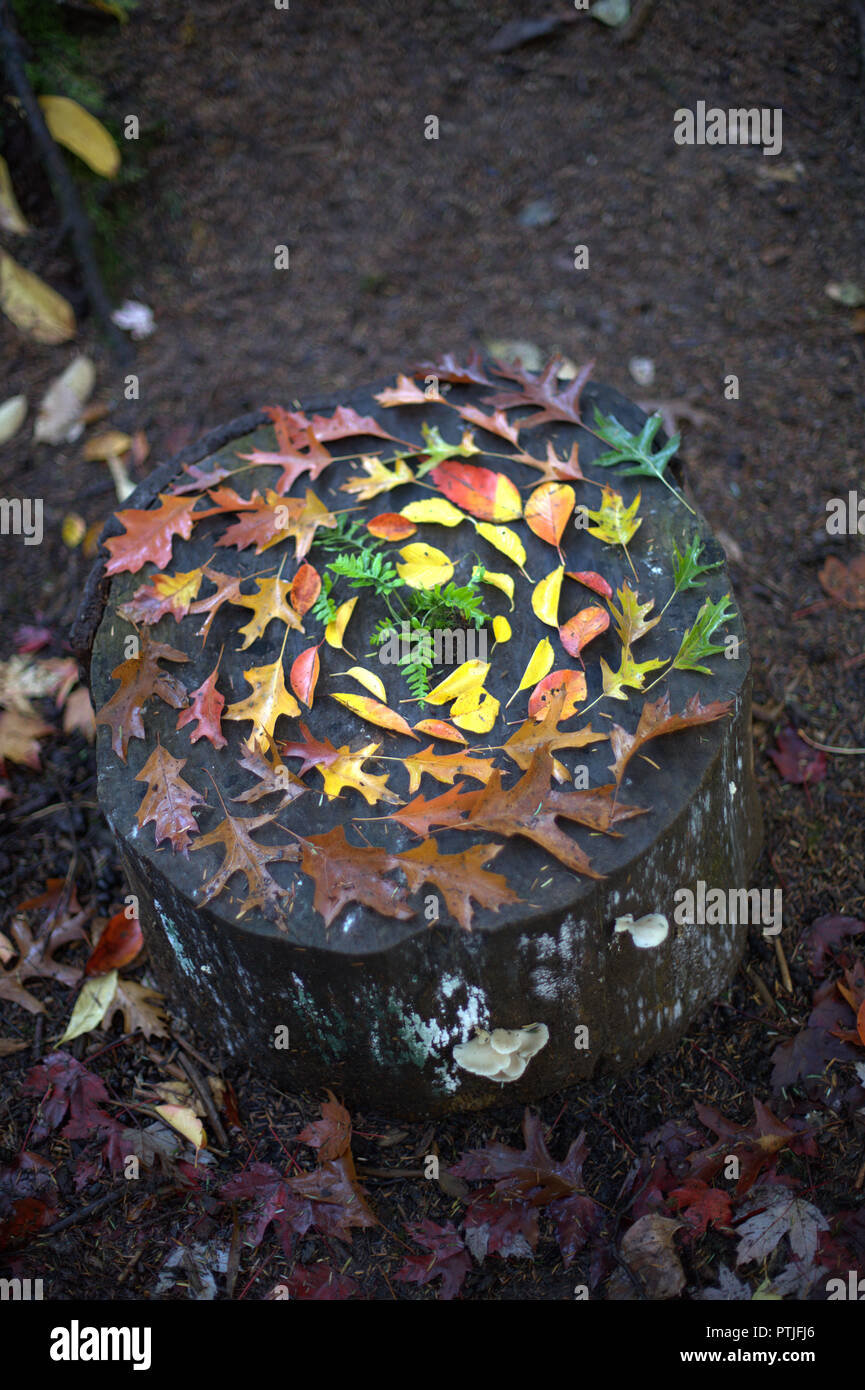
269 604
445 767
169 800
269 699
243 856
344 873
140 677
206 709
149 534
656 720
164 593
458 877
346 770
274 778
541 391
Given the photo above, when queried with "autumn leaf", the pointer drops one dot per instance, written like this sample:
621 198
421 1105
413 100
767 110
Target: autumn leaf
334 633
543 697
552 467
268 604
444 811
796 760
497 423
458 877
391 526
90 1006
656 720
119 943
342 424
19 737
374 684
844 583
346 770
243 856
378 478
440 728
376 713
424 566
227 591
502 582
445 767
35 954
591 580
274 778
541 391
164 593
615 524
548 511
583 628
486 495
433 510
630 673
169 800
305 589
543 735
263 521
508 543
406 392
149 534
297 453
344 874
696 643
268 701
304 524
502 631
630 619
545 597
476 713
313 752
445 1257
539 665
331 1135
206 709
755 1146
303 676
447 368
140 677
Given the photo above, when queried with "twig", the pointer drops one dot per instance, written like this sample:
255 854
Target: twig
65 192
827 747
761 987
205 1095
783 967
637 22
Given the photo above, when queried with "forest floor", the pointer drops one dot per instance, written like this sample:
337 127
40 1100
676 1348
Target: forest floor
261 128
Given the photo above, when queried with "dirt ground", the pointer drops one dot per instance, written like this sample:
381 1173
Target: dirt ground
306 129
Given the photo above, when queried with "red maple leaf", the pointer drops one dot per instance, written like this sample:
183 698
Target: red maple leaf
447 1260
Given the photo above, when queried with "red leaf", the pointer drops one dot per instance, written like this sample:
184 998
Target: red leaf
490 496
583 628
450 1261
591 580
303 676
563 404
574 685
305 588
320 1283
796 760
390 526
207 706
119 944
149 534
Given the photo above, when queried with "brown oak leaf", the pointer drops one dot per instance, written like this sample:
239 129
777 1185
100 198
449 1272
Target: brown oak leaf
140 677
656 720
243 856
169 800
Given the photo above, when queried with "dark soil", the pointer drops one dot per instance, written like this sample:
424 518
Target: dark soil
266 127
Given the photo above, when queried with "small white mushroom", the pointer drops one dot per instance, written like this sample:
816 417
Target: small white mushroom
647 931
504 1054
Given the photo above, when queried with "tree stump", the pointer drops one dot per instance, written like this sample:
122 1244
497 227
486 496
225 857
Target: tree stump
395 989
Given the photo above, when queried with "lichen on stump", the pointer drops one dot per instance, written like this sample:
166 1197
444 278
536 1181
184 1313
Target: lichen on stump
341 893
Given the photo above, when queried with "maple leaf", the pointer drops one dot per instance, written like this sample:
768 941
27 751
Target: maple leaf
458 877
169 800
344 873
140 677
320 1283
331 1135
346 770
541 391
36 958
530 1176
701 1206
149 534
206 709
269 699
656 720
227 591
273 777
509 1229
164 593
756 1145
447 368
378 478
825 932
450 1260
244 856
444 810
66 1088
269 604
445 767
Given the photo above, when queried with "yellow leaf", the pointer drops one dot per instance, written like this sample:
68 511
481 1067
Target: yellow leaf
364 677
379 479
467 678
630 673
269 699
616 524
424 566
503 539
545 598
481 718
434 509
185 1121
347 771
40 312
501 629
498 581
269 604
335 631
540 665
12 218
96 994
376 713
81 133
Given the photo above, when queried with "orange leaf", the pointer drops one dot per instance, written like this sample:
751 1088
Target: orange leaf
583 628
119 944
490 496
304 675
390 526
305 588
548 510
573 683
376 713
592 580
440 728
